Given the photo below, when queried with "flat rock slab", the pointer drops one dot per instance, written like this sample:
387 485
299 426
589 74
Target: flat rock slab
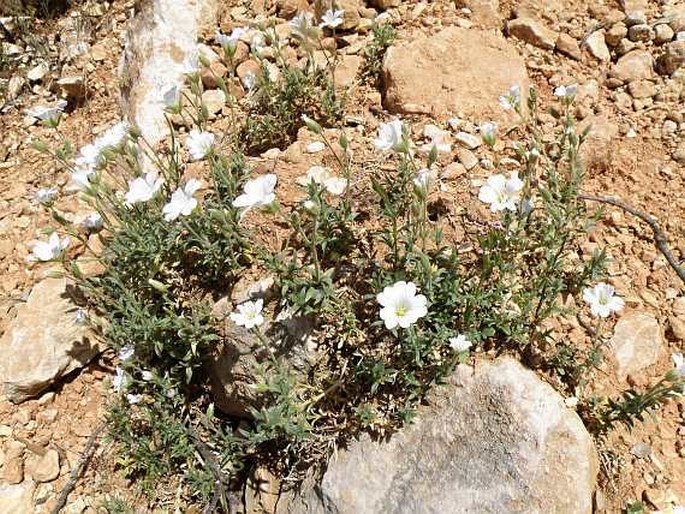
636 342
43 342
457 71
496 440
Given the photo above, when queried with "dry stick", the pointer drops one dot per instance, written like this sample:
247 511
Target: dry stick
659 236
221 481
86 454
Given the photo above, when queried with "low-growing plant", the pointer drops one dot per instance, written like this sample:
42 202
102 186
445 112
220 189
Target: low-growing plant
384 35
372 304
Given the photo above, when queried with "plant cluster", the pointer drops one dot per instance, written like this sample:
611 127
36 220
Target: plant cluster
362 318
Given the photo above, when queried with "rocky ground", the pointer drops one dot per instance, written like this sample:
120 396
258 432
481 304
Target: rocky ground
448 66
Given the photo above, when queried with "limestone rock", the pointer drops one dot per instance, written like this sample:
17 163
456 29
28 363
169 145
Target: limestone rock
37 72
498 439
43 468
161 47
347 70
72 87
419 79
213 100
533 32
484 12
17 498
636 342
568 46
635 65
673 57
597 46
43 342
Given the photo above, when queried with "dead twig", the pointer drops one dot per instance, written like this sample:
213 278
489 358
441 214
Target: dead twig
86 454
221 481
660 238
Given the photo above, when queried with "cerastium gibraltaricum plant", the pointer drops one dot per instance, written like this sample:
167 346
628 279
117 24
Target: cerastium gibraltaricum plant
389 307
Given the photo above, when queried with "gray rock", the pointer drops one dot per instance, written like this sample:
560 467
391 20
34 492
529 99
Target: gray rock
640 32
533 32
498 439
597 46
43 342
614 35
467 140
419 79
467 158
38 72
663 33
636 342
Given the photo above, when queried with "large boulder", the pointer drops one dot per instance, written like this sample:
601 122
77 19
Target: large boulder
456 71
43 342
497 439
161 47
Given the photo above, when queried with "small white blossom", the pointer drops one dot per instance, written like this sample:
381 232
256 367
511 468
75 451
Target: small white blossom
132 399
182 202
126 352
119 380
80 317
459 343
512 99
142 189
401 306
320 175
249 314
422 179
679 363
390 136
46 196
501 193
49 113
80 178
199 144
440 139
488 132
565 91
147 375
602 301
112 137
229 41
171 96
257 192
303 27
332 18
93 222
249 80
50 250
679 509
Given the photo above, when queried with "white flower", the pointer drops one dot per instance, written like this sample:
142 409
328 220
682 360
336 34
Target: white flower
249 80
142 189
320 175
182 202
390 136
259 191
488 132
440 139
459 343
303 27
46 196
50 250
501 193
80 317
401 305
199 144
249 314
119 379
512 99
50 113
571 402
332 18
126 352
565 91
133 398
602 301
422 178
81 177
147 375
228 41
679 363
93 222
171 96
112 137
